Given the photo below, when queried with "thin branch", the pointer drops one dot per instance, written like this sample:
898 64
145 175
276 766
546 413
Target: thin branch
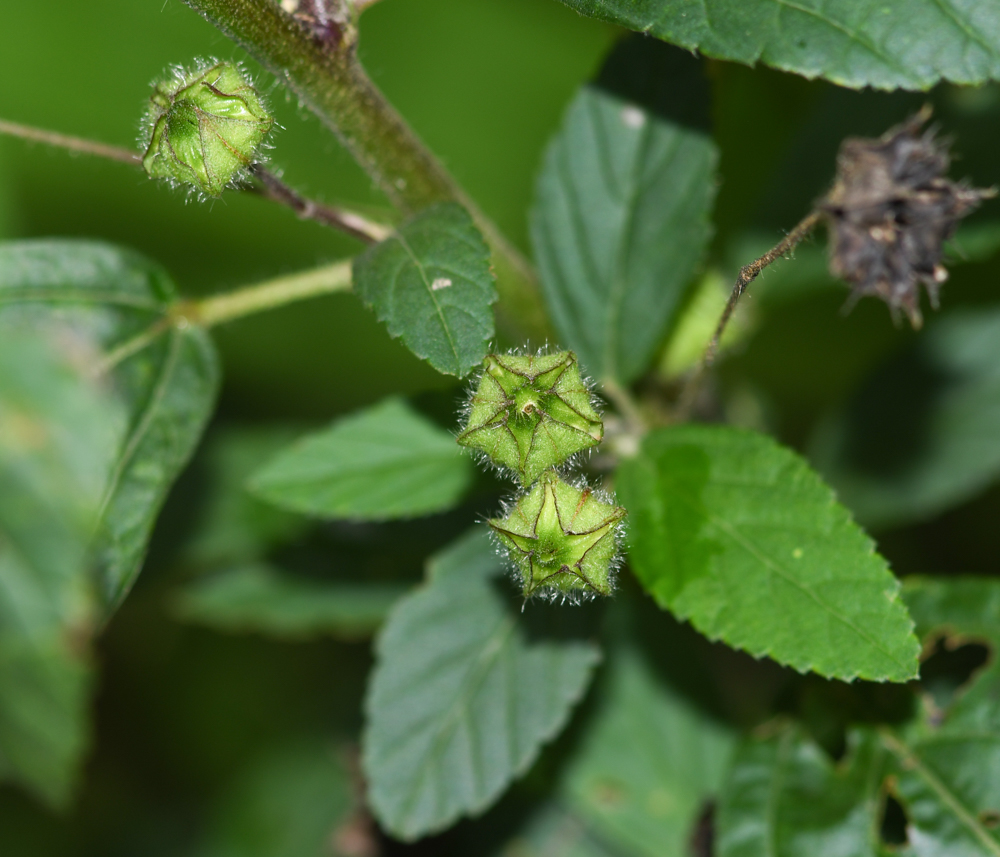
748 273
218 309
273 188
73 144
270 185
230 306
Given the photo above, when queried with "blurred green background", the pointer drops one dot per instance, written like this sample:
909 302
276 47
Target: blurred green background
200 735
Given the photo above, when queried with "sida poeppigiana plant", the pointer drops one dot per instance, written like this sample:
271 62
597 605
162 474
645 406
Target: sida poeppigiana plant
738 537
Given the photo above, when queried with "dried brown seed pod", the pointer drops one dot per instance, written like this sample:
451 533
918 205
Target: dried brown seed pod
889 213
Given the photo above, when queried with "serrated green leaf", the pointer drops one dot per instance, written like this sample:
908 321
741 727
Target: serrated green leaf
921 434
58 436
621 213
461 699
786 798
386 462
432 285
260 598
896 44
736 534
647 762
107 295
948 763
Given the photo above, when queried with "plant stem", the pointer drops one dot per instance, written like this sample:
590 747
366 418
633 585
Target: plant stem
219 309
748 273
330 81
73 144
230 306
272 187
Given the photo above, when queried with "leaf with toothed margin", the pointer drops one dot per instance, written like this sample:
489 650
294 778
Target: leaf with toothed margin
106 296
432 285
462 698
786 797
893 44
737 534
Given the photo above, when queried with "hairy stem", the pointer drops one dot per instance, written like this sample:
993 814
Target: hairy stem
748 273
218 309
269 185
272 187
73 144
230 306
329 80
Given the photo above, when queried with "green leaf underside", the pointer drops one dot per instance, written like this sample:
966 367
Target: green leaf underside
647 763
432 285
908 44
736 534
106 296
460 701
621 213
786 797
921 435
58 434
261 599
385 462
530 413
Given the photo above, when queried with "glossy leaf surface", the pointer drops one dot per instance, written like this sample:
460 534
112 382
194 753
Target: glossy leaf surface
738 535
909 44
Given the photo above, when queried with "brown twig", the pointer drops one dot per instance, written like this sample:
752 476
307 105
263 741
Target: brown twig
273 188
748 273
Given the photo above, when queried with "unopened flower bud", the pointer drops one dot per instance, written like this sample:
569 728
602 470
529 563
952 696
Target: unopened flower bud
205 127
531 412
562 539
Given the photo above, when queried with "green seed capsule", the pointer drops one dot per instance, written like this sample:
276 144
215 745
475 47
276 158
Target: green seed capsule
530 413
205 127
562 539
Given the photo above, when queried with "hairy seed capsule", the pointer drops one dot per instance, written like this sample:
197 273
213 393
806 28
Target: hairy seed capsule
205 127
562 539
531 412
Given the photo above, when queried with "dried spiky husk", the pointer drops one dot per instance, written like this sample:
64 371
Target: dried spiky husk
889 213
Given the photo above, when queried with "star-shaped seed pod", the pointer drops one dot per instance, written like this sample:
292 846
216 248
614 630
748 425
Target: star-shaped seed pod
531 412
562 539
889 213
204 128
